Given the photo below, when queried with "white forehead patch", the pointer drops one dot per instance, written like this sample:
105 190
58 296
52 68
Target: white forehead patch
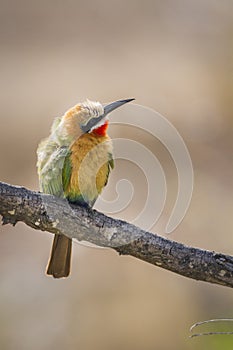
95 109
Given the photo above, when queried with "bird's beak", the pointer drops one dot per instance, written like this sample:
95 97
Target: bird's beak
107 109
111 106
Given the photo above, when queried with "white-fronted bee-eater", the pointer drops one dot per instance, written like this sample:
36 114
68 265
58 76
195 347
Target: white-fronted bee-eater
81 133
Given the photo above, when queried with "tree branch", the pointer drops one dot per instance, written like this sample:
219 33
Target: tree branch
48 213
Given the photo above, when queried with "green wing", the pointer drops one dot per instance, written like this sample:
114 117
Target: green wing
66 171
110 166
51 161
110 162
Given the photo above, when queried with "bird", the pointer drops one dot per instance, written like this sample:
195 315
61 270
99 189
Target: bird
74 162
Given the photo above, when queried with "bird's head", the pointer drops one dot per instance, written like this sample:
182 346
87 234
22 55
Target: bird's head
93 116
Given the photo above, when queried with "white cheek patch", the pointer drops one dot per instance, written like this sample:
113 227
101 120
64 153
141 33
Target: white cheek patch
102 122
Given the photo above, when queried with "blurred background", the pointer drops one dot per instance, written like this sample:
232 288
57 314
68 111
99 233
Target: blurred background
174 56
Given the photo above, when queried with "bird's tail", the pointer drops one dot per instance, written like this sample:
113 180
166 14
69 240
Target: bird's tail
59 263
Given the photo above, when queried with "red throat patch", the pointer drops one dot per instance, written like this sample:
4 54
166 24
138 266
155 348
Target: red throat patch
101 130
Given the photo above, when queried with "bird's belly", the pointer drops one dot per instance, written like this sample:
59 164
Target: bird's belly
90 168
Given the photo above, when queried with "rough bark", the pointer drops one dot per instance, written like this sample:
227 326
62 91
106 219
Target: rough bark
51 214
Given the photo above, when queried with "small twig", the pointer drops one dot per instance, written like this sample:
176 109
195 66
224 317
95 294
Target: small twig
210 333
209 321
215 320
